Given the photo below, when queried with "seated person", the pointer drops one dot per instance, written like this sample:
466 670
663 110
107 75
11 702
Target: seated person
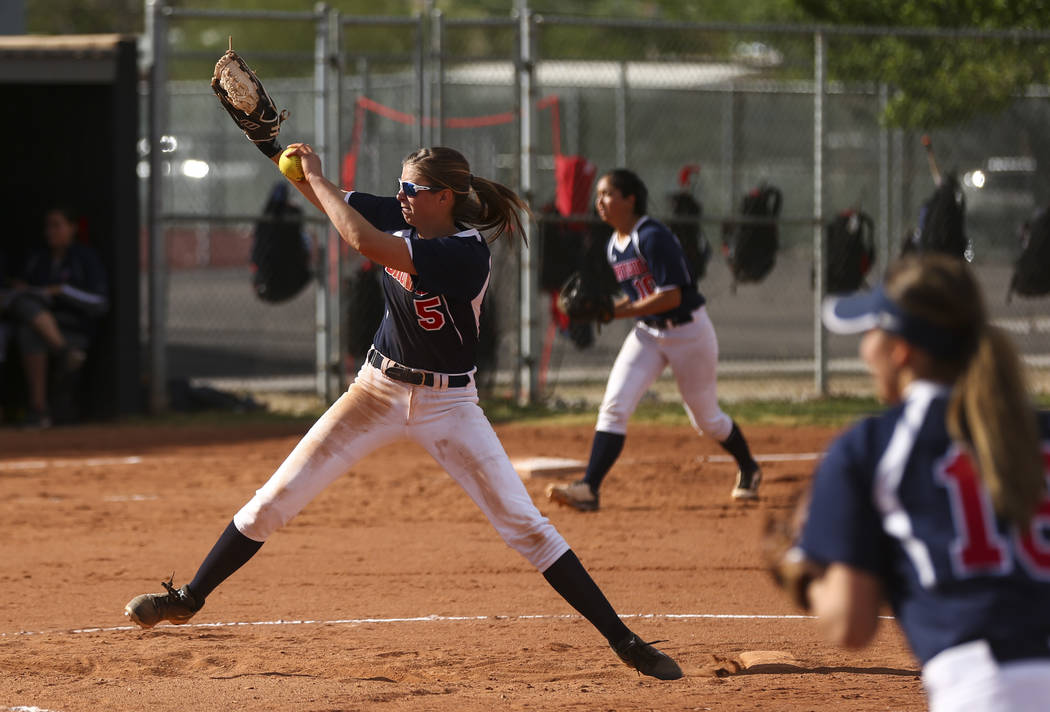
56 305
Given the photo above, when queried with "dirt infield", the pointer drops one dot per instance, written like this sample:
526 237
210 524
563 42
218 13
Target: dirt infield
391 592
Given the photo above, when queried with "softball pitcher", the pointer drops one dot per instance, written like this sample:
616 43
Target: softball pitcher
417 384
672 328
939 505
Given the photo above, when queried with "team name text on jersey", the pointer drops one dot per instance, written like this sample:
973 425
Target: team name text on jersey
403 278
629 268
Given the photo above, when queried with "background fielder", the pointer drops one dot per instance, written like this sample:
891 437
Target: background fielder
672 329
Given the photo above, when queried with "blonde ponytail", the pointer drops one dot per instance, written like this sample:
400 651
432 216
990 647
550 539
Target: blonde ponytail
989 409
498 208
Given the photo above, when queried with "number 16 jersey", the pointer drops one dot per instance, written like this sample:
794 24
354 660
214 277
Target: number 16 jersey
896 497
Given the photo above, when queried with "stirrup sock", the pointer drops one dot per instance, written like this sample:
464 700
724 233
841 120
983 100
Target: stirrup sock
568 577
604 451
230 553
737 446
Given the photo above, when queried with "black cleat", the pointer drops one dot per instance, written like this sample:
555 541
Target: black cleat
176 606
577 495
747 484
646 659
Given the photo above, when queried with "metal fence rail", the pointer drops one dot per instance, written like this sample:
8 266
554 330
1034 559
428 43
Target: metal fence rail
743 103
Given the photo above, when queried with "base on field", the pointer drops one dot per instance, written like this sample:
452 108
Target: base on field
547 466
769 661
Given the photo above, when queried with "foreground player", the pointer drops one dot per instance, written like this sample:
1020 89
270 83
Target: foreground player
672 328
417 384
938 506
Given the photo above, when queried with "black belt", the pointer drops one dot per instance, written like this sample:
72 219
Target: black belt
1006 651
409 375
668 322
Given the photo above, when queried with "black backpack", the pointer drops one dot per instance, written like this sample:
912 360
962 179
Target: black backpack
280 254
364 309
942 225
850 251
751 246
685 224
560 242
1031 276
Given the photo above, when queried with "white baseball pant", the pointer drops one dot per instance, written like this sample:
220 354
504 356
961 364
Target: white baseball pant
448 423
967 677
691 350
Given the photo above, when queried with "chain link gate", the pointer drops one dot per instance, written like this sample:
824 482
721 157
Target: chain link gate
727 106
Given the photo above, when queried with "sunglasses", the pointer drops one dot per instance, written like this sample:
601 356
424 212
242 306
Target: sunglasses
411 188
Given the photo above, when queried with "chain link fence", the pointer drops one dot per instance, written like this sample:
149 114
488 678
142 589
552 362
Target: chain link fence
711 111
212 190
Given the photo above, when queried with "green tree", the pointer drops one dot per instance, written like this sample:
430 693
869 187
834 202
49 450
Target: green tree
939 80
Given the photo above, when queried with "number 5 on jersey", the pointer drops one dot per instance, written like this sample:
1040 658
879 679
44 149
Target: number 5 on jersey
429 313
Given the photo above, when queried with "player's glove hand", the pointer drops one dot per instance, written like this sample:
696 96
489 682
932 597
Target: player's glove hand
582 299
791 569
242 95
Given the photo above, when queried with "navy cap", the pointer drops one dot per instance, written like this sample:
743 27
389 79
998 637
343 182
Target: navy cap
863 311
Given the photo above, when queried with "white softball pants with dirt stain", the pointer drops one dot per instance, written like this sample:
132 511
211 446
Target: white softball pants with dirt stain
691 350
448 423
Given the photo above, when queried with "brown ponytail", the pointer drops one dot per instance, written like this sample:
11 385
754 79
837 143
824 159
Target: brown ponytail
480 203
989 408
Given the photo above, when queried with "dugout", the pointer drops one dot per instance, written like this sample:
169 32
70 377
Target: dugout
70 126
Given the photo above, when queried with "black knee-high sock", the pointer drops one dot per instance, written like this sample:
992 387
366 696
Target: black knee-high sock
568 577
605 448
737 446
230 553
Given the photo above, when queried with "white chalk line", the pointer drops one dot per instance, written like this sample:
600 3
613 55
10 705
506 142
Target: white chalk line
14 465
130 498
778 457
424 619
23 708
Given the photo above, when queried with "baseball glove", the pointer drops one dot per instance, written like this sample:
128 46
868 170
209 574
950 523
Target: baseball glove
582 299
786 562
242 95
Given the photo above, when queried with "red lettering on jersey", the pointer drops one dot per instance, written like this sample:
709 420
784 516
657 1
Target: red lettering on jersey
1034 544
644 285
403 278
977 548
628 269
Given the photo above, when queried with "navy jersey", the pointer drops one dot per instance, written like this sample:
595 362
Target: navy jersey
897 498
432 318
653 261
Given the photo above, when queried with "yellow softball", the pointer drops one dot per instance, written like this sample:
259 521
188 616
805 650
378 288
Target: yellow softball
291 166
